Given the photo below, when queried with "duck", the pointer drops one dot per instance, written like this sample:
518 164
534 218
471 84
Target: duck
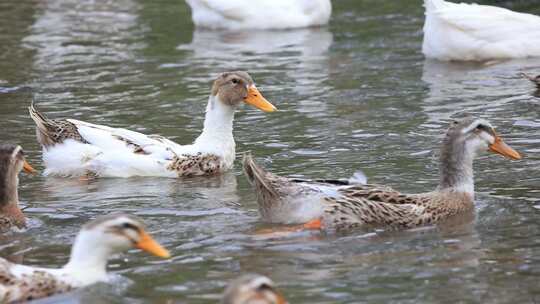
472 32
12 162
97 241
260 14
533 79
252 289
336 205
76 148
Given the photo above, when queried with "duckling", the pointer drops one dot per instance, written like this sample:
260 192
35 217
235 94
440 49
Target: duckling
97 241
252 289
535 80
334 207
12 161
77 148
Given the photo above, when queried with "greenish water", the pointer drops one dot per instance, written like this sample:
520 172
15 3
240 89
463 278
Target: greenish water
355 94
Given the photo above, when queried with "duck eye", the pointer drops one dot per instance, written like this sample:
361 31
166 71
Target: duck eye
481 127
234 80
264 287
128 226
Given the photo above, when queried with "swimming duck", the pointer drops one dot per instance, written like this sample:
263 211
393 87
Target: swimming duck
12 161
260 14
340 206
96 242
535 80
76 148
473 32
252 289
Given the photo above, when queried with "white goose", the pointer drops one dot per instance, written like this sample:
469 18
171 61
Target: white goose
472 32
260 14
77 148
96 242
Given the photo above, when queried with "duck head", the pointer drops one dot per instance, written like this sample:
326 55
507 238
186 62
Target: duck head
104 236
234 88
466 138
12 161
535 80
252 289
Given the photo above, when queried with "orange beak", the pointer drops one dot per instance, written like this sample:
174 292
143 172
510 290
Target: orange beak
500 147
28 169
148 244
281 299
256 99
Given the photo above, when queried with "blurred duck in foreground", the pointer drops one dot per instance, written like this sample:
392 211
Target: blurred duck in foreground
77 148
12 161
260 14
535 80
338 206
478 32
252 289
96 242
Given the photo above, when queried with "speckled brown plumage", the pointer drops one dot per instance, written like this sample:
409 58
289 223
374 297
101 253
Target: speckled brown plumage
50 132
17 286
337 205
356 206
186 165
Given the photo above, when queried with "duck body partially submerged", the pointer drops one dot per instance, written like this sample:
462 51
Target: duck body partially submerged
95 244
76 148
340 206
260 14
472 32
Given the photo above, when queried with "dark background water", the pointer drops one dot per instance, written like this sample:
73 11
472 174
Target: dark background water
355 94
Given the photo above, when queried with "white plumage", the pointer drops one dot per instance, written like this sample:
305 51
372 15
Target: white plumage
259 14
76 148
478 32
109 152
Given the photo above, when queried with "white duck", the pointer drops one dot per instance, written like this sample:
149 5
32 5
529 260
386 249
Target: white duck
76 148
472 32
260 14
97 241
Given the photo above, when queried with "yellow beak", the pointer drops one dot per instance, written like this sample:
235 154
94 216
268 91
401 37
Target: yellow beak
500 147
148 244
28 169
256 99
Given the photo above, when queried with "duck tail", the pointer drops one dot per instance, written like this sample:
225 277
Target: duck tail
257 176
44 127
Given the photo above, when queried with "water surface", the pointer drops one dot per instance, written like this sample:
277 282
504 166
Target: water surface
357 94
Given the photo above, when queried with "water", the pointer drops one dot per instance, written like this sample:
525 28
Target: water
355 95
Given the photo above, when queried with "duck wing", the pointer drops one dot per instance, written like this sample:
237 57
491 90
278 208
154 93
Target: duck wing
19 283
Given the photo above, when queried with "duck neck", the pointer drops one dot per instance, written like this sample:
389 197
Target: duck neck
88 260
456 168
9 197
218 125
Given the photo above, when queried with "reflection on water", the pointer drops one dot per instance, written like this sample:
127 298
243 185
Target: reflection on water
355 95
458 87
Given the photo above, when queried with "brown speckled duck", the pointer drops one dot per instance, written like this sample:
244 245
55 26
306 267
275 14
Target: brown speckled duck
340 206
77 148
252 289
12 161
96 242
